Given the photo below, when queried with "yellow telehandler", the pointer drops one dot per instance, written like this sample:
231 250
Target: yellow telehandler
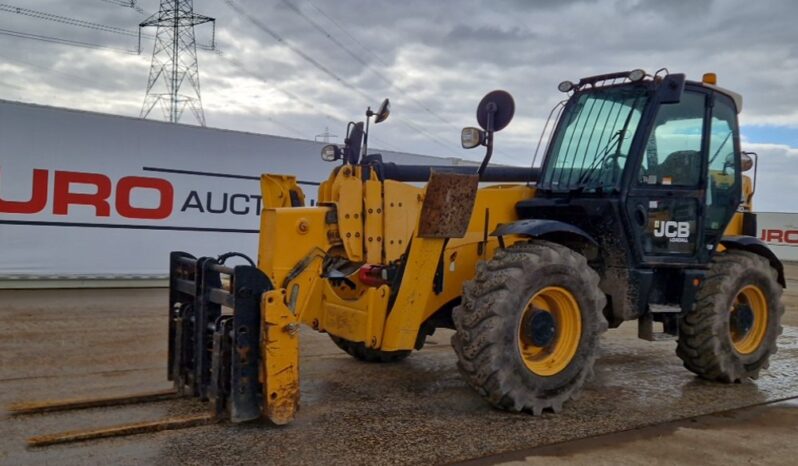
638 211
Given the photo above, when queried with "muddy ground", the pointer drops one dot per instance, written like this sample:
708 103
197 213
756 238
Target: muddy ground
74 343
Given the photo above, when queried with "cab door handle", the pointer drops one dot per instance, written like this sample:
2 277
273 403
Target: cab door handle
641 215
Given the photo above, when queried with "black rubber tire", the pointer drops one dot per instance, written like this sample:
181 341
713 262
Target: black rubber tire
705 344
360 352
488 320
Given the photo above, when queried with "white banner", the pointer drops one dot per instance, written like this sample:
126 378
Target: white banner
780 232
87 194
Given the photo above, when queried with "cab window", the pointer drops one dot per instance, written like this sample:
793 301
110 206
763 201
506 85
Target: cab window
673 151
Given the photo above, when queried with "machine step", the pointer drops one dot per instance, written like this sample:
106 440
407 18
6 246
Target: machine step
645 329
664 308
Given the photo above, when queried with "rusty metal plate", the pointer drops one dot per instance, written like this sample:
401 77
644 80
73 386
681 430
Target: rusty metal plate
447 206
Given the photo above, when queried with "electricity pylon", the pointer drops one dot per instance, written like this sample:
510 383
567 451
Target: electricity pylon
174 82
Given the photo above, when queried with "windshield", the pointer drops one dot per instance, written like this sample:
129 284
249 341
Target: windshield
592 145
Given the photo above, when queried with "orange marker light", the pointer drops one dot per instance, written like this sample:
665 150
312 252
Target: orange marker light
710 78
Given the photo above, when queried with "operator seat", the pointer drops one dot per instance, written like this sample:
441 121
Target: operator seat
682 167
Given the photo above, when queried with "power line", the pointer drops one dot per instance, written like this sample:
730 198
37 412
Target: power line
366 64
347 33
90 45
307 104
112 29
324 32
62 41
79 22
66 20
293 48
360 60
126 3
243 68
279 123
260 25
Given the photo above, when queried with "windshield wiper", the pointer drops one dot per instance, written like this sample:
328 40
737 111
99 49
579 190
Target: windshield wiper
717 152
587 175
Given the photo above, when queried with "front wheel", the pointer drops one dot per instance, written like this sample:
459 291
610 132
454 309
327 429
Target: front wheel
732 331
528 327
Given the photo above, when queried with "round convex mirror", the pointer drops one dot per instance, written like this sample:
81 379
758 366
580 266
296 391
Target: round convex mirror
501 104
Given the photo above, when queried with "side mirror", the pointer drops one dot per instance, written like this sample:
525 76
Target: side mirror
354 141
495 111
330 153
472 137
383 112
746 161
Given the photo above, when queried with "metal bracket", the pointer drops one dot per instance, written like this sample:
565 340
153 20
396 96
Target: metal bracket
213 355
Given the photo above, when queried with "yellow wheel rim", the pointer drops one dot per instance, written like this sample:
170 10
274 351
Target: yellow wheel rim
746 341
554 356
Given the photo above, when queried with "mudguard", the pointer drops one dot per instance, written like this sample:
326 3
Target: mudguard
756 246
536 228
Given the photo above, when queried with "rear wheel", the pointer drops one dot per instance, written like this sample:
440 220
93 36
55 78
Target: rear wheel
732 331
359 351
528 326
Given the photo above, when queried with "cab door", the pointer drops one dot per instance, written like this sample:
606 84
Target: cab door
666 198
724 177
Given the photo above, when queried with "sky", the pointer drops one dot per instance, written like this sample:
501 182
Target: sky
298 67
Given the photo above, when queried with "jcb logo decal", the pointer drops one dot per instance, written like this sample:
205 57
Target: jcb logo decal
677 232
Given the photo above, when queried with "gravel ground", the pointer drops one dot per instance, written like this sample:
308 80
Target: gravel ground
73 343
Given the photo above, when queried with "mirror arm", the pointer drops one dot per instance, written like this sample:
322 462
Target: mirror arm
488 153
347 141
756 166
369 113
492 108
